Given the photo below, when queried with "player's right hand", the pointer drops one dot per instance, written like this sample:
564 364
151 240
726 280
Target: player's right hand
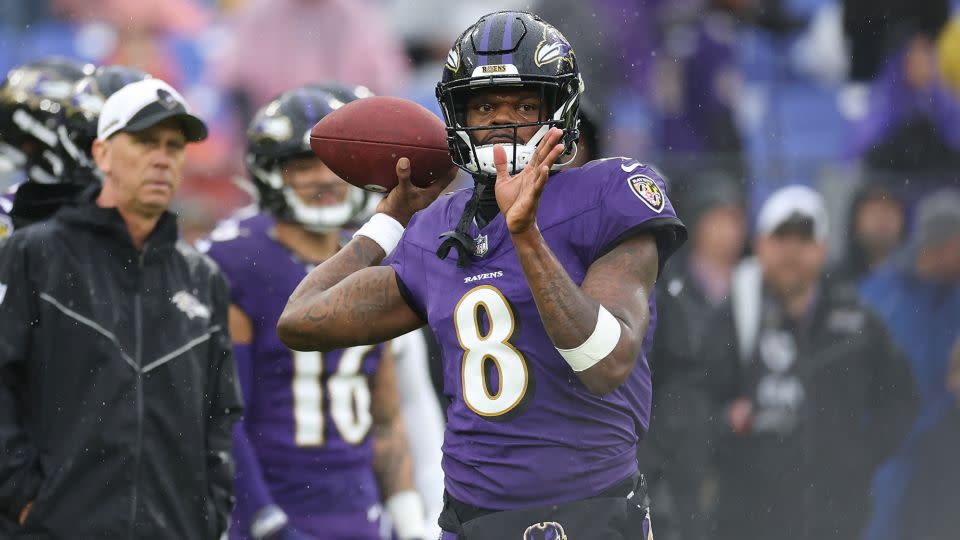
407 199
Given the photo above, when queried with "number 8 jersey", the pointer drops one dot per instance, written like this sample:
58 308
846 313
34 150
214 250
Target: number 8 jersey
522 430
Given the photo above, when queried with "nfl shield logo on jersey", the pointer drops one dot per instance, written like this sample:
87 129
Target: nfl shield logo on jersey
547 530
480 245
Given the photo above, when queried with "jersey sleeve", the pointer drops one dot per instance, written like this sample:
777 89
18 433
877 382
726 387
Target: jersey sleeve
406 261
633 199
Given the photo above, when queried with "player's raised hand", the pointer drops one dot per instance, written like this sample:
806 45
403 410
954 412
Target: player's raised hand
407 199
519 196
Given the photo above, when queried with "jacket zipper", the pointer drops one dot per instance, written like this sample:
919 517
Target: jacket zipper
138 356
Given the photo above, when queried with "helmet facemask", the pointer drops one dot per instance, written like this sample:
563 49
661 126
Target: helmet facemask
285 204
559 99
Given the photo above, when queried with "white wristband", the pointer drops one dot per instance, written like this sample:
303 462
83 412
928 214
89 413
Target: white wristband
267 521
382 229
407 514
600 343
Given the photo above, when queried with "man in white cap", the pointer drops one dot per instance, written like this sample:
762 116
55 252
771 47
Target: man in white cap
117 383
809 392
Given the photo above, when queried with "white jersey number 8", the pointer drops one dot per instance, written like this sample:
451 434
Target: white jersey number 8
349 397
494 346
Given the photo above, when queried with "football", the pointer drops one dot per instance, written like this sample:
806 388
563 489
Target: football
363 140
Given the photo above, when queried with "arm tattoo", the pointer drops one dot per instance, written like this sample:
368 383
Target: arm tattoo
357 306
568 314
360 253
345 301
620 281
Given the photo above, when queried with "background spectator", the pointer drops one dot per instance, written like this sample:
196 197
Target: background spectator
275 45
876 227
803 422
911 126
918 296
877 28
675 455
932 496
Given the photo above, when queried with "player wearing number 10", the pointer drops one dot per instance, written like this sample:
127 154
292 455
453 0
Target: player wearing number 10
321 442
545 313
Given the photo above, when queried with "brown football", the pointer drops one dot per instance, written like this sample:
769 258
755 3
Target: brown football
363 140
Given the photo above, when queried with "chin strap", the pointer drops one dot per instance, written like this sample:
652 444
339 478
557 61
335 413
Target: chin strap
458 238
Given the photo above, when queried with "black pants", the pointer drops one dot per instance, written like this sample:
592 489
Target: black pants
618 513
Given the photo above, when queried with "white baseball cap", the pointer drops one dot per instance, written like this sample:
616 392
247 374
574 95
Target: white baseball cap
143 104
793 204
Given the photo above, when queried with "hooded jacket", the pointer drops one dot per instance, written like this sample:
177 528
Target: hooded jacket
855 266
117 384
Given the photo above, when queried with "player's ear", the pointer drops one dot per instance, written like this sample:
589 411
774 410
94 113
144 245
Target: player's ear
101 155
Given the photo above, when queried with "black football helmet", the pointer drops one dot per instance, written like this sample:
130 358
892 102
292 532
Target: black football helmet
32 102
82 110
509 48
279 132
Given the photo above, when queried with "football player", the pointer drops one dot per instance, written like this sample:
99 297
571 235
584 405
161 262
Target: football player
32 99
53 123
540 295
322 441
81 113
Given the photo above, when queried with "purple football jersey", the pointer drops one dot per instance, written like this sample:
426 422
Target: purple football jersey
308 416
522 430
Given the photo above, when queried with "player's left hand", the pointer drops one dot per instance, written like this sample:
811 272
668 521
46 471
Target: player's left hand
519 196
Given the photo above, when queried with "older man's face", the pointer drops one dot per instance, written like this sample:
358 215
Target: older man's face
145 168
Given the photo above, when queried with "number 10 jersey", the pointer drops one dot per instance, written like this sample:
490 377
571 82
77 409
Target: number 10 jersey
307 414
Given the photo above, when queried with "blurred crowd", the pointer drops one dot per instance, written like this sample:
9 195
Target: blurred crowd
808 343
